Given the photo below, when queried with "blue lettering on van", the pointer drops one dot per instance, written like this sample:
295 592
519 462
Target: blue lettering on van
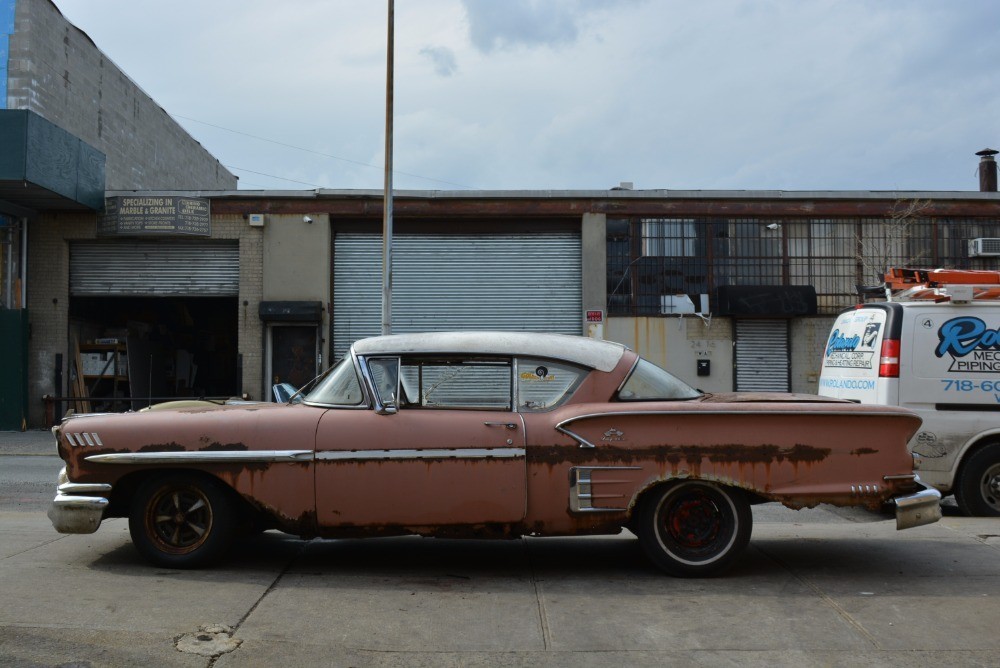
839 343
847 383
960 336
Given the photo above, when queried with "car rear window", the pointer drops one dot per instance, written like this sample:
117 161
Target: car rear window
648 382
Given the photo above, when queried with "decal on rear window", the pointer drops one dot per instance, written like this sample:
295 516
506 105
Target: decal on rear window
846 349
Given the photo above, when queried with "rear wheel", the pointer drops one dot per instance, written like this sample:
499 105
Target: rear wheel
694 528
182 521
977 489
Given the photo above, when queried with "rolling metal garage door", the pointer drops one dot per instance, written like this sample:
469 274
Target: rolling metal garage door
762 356
154 268
441 282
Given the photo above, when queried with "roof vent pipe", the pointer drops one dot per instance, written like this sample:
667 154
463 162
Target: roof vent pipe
987 171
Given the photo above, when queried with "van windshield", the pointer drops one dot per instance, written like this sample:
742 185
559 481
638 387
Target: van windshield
649 382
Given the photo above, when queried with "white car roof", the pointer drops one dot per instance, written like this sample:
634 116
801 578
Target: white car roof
593 353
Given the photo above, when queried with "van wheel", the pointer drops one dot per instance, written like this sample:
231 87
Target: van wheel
694 528
977 489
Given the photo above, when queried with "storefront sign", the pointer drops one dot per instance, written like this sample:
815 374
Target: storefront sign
155 215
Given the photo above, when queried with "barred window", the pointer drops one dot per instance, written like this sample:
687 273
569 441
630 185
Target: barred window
668 237
834 255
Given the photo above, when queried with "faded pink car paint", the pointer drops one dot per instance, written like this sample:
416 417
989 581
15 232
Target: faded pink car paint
587 466
800 451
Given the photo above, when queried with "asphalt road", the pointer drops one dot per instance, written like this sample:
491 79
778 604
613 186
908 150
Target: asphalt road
27 482
813 588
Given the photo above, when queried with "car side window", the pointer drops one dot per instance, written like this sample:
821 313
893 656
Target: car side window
542 384
456 383
385 376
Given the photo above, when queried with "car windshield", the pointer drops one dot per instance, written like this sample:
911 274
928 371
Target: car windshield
341 387
649 382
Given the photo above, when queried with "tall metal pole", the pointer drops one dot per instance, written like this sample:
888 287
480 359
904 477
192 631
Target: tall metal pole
387 196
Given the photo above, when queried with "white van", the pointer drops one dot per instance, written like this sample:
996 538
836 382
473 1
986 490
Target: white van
937 353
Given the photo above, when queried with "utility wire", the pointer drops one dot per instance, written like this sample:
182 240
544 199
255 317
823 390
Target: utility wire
309 150
280 178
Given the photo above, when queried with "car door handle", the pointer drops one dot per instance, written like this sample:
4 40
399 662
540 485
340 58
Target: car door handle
506 425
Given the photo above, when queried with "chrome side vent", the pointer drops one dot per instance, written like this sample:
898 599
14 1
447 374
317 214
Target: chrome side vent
84 439
582 495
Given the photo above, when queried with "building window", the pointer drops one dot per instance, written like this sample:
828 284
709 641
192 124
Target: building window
650 259
668 237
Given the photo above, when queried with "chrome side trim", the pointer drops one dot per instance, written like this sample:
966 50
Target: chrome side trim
709 412
430 453
584 443
581 489
203 457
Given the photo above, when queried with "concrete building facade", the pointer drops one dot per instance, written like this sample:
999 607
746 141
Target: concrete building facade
54 70
309 265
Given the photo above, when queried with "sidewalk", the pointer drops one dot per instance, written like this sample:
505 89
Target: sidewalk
31 442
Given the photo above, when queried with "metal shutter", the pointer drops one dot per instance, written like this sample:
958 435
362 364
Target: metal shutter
154 268
442 282
762 356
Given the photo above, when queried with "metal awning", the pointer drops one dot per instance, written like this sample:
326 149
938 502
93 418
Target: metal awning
45 168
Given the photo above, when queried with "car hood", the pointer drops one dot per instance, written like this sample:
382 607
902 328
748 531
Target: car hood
261 426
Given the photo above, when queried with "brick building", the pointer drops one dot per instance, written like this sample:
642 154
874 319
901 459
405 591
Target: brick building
72 125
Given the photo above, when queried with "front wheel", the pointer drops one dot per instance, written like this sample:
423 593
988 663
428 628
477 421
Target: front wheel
977 489
694 528
182 521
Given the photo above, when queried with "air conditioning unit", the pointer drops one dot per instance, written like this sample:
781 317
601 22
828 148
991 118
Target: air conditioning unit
984 247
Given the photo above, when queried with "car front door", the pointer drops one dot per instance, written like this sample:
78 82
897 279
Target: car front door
442 446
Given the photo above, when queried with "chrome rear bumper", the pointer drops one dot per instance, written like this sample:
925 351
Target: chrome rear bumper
918 509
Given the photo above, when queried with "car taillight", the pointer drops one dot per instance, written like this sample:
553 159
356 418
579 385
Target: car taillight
888 363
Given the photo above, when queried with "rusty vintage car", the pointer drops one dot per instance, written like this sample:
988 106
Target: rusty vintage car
486 434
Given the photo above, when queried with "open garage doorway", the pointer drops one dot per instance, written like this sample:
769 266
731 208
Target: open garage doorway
150 348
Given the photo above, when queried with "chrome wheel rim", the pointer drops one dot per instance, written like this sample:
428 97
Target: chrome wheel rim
179 519
989 487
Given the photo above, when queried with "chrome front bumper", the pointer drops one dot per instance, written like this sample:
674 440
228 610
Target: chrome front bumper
918 509
78 507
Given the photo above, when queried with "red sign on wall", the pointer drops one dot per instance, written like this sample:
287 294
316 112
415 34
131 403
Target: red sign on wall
595 316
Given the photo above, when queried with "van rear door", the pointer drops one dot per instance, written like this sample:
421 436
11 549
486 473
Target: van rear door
861 358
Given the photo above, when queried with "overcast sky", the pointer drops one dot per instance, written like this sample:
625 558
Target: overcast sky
573 94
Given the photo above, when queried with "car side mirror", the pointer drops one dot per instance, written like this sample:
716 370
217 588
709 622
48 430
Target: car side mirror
283 392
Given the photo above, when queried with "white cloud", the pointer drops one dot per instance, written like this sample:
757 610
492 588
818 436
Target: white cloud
443 59
726 94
